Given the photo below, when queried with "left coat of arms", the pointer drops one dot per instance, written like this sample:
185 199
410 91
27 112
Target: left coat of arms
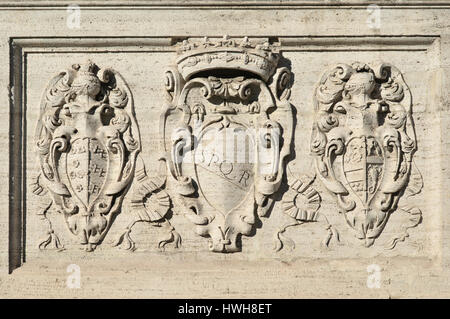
87 140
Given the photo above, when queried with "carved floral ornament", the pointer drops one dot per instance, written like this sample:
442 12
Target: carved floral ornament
226 131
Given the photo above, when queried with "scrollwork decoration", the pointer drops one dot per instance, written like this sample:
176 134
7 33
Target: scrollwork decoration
363 142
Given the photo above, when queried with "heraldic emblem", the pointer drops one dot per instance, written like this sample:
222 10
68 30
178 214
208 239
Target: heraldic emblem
226 132
87 142
363 141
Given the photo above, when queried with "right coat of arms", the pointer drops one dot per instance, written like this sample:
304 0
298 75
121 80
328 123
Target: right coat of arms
363 142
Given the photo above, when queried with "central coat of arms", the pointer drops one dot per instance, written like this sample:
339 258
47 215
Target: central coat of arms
226 131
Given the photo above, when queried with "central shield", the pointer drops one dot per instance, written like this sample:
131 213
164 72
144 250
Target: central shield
224 164
87 167
363 166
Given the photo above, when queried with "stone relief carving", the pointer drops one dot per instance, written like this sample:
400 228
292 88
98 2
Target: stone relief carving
87 142
226 131
149 203
363 141
301 203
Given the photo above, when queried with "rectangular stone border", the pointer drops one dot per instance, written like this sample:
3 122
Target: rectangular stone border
21 47
223 4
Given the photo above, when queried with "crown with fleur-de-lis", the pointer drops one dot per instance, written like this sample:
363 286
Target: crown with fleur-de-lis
258 57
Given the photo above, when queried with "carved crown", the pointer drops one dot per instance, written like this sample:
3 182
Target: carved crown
258 58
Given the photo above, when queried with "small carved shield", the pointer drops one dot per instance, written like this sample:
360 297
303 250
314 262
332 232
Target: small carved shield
87 167
224 162
363 166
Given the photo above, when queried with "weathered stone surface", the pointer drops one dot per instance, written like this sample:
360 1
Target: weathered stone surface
213 150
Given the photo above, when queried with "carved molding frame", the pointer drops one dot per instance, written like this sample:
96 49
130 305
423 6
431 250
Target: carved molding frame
234 4
20 48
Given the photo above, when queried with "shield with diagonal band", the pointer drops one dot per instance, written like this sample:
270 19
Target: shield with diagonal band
225 167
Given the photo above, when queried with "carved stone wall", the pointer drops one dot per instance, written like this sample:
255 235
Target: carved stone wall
205 154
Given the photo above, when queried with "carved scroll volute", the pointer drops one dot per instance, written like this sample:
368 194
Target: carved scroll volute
226 100
174 83
87 140
363 140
